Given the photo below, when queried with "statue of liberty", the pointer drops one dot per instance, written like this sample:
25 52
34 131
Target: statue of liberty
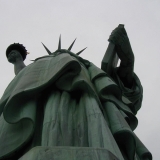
63 107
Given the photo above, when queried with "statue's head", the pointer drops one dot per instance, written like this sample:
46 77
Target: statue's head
61 51
17 49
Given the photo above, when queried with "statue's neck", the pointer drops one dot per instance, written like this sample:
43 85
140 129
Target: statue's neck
18 66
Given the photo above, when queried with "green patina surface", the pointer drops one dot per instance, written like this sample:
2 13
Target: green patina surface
63 100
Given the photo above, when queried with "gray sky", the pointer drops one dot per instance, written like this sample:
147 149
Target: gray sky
90 21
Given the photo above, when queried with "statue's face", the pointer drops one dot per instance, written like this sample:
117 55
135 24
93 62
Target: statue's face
14 56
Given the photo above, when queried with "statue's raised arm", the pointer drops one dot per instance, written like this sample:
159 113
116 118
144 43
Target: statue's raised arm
119 48
124 51
16 54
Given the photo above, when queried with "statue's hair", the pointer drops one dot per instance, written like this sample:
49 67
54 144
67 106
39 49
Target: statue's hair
18 47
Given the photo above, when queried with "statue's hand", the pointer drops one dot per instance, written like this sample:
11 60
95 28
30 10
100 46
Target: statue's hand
14 57
120 39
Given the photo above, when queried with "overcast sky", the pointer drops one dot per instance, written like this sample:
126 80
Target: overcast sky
90 21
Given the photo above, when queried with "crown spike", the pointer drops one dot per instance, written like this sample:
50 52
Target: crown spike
59 44
49 52
71 45
81 51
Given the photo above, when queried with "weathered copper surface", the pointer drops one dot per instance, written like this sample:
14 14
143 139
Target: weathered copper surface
62 101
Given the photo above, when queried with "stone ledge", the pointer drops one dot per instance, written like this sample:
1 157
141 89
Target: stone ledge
68 153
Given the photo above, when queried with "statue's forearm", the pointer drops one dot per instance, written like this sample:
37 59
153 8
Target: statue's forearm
18 66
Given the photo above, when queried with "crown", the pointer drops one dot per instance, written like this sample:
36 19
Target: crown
63 50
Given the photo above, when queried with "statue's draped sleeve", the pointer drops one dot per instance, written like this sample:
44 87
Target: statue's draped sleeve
120 106
134 94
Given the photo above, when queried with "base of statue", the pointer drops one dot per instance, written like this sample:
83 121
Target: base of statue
68 153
